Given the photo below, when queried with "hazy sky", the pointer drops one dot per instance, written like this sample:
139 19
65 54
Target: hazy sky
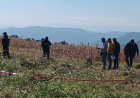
97 15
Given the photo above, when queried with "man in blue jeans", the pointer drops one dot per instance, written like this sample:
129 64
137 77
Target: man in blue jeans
104 52
110 48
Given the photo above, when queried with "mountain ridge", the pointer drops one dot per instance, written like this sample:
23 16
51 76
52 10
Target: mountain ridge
70 35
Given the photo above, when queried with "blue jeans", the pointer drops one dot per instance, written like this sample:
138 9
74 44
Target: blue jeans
110 61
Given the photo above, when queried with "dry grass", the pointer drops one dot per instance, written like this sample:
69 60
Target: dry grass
23 86
71 52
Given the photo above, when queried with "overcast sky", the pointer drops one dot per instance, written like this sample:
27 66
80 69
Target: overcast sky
97 15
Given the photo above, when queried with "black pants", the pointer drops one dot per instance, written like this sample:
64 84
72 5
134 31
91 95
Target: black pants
116 61
6 54
129 60
46 53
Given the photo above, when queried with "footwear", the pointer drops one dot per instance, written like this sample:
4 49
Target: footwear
114 68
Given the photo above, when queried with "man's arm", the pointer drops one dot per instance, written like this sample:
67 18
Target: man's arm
50 43
125 49
137 49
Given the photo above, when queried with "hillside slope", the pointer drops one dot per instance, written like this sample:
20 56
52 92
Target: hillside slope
66 75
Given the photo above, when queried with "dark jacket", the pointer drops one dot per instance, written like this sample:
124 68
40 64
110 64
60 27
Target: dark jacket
46 45
131 49
5 43
116 49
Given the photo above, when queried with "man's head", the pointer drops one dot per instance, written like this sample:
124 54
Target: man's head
46 38
4 33
103 40
109 40
114 40
132 41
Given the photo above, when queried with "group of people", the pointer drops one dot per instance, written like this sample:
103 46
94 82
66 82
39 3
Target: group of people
111 50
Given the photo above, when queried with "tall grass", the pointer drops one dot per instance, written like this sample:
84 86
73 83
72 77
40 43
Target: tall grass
72 52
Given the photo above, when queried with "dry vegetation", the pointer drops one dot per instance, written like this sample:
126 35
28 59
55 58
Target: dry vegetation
68 62
71 52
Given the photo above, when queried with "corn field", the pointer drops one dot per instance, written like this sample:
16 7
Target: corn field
71 52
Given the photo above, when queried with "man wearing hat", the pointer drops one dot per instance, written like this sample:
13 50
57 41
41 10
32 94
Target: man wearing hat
5 45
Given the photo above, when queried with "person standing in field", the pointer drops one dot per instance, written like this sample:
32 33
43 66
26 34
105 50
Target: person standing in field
46 47
116 52
5 45
110 52
130 51
103 52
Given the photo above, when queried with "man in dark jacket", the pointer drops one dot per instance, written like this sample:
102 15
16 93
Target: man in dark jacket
116 52
130 51
5 45
46 47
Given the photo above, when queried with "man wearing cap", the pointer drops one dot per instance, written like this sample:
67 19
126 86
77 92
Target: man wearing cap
5 45
46 47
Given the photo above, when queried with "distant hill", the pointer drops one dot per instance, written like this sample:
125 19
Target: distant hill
70 35
127 37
